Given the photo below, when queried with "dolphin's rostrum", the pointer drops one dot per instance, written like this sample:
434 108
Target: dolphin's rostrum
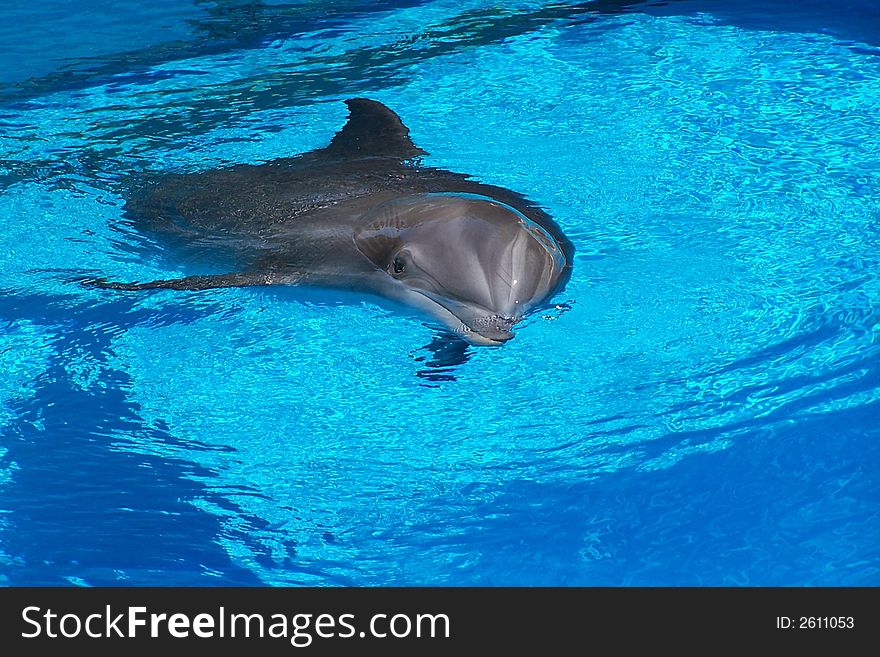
363 214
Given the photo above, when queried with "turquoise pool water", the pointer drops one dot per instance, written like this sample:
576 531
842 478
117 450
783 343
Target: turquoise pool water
700 407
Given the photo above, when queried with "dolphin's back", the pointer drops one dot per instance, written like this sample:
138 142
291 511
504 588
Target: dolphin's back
248 199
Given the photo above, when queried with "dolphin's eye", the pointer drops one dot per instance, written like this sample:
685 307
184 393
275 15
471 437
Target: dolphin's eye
398 265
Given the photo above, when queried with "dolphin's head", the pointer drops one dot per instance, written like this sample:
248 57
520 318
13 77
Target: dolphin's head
471 262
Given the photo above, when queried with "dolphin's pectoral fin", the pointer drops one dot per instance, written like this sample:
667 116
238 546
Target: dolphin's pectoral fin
448 351
372 130
195 283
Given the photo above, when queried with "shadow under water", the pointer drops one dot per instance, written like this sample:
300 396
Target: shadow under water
81 452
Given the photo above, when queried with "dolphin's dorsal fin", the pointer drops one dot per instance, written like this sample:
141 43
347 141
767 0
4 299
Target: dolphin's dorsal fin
373 130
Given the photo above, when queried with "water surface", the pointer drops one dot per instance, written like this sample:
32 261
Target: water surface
700 409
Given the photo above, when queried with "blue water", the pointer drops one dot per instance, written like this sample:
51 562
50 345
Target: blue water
700 407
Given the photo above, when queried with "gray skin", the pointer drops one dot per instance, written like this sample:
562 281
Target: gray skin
363 215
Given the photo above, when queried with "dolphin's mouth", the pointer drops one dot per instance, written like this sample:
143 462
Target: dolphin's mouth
471 322
494 328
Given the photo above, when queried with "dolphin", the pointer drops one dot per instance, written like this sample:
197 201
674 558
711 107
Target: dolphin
362 214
